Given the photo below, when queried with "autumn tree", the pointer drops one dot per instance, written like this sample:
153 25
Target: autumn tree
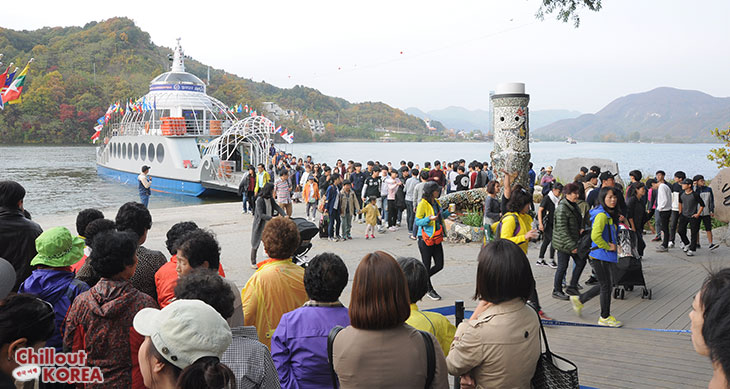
721 155
567 10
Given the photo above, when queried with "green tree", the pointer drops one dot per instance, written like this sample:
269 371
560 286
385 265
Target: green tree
567 10
721 155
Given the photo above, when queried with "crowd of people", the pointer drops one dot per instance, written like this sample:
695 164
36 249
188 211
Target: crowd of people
147 321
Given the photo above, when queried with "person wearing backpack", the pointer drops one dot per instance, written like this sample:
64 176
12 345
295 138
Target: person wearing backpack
603 256
566 234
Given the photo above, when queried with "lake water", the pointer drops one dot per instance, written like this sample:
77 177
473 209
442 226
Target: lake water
61 179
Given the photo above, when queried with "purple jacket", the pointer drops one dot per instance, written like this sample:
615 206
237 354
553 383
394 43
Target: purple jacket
299 345
58 287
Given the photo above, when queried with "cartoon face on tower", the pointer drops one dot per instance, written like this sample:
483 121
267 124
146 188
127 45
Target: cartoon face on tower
510 117
511 122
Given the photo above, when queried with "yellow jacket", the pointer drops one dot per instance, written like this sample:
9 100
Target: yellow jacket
509 227
371 213
435 323
266 179
276 288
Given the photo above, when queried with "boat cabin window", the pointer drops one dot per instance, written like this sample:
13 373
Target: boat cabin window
129 151
160 153
151 152
143 152
136 151
124 150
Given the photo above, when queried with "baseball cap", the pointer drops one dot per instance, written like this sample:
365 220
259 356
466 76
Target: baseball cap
606 175
185 331
688 181
145 168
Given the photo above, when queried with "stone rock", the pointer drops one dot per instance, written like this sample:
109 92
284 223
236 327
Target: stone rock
457 232
721 189
511 152
565 170
467 200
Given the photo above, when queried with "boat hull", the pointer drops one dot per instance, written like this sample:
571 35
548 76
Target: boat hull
159 184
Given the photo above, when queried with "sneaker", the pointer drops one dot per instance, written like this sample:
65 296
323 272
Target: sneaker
553 265
671 244
543 316
591 281
412 237
541 262
661 249
372 236
349 237
609 322
560 295
683 246
338 238
577 305
656 239
713 246
571 291
433 295
367 236
331 239
690 253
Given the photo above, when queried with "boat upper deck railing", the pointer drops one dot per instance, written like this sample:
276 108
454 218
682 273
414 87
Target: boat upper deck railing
191 127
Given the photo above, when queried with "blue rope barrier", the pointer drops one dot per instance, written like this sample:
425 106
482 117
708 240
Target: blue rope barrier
450 310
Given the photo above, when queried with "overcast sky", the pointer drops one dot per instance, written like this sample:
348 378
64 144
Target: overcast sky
433 54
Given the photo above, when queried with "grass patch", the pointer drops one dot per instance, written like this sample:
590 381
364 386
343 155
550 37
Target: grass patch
473 219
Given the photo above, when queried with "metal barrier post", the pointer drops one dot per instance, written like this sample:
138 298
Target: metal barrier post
458 318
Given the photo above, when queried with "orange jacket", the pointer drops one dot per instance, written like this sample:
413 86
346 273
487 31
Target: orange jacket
166 280
306 193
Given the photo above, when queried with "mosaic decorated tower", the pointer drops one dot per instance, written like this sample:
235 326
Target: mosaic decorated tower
511 131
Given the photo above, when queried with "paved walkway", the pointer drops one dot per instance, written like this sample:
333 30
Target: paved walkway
606 358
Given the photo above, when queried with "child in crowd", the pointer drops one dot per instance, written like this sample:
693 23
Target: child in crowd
52 280
371 217
690 209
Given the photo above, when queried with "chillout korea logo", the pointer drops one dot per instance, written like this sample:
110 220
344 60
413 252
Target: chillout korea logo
53 367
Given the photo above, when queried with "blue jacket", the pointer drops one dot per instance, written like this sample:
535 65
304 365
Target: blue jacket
608 235
333 192
58 287
358 180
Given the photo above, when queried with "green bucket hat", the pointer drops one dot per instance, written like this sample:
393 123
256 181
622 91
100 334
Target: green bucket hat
58 248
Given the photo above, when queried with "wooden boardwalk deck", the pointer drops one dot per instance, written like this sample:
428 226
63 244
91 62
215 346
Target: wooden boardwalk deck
628 357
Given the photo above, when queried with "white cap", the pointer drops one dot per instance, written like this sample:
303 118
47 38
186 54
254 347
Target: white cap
185 331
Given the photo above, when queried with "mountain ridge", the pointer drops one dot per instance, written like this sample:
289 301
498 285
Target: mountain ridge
460 118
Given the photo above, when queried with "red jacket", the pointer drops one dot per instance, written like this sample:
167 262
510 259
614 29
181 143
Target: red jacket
100 322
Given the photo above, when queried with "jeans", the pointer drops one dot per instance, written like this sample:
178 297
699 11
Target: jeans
563 259
657 223
144 199
427 253
694 230
673 222
346 224
664 216
313 207
333 231
547 239
392 213
244 201
384 209
410 215
603 274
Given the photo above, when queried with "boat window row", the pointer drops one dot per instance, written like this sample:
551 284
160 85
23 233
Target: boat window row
137 151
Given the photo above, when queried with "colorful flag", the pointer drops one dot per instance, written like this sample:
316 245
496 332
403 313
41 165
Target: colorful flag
246 107
96 134
239 108
8 80
278 130
12 94
100 121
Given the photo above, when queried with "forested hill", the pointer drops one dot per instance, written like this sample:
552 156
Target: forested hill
78 71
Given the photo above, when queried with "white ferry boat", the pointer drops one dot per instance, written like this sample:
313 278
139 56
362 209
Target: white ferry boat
191 141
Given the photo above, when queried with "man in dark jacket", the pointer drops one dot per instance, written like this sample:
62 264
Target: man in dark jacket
566 235
17 233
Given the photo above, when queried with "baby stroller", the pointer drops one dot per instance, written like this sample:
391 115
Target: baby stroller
628 272
307 231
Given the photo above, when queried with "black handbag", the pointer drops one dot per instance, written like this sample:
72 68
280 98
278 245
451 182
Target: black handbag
552 371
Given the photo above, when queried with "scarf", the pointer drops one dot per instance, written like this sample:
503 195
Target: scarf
553 198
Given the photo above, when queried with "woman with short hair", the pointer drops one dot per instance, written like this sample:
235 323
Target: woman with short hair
566 234
498 347
277 287
710 325
431 232
378 350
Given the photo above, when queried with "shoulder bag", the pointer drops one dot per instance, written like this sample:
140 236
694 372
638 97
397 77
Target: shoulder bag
552 371
430 356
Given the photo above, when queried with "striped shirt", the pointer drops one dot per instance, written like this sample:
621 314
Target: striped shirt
283 191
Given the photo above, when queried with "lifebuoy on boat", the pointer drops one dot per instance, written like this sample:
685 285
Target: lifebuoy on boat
147 127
